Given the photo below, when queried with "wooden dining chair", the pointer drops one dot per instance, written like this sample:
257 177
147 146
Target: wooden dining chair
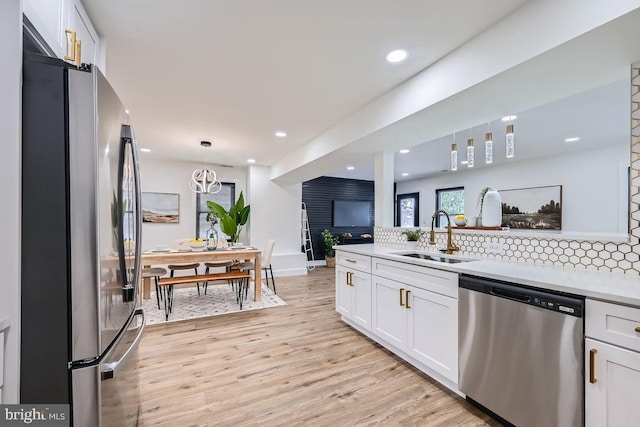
193 266
227 265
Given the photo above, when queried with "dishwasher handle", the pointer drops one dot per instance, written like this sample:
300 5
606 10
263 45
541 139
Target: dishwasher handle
510 294
572 305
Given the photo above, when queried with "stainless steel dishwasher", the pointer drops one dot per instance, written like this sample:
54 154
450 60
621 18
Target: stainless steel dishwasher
521 352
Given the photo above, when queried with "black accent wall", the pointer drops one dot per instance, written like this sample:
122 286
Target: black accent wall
318 195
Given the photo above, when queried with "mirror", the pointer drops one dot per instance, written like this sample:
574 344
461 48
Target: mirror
593 170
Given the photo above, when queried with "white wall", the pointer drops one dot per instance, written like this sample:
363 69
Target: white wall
10 130
276 214
594 199
173 177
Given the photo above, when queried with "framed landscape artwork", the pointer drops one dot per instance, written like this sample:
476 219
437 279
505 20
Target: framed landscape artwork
535 208
161 207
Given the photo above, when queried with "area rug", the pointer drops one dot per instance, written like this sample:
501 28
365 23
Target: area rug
220 299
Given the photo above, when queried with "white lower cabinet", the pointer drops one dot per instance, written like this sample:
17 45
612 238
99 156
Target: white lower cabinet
410 309
389 320
432 331
353 295
612 365
421 323
612 398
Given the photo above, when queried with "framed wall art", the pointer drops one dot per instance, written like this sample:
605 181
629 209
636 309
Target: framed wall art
535 208
161 207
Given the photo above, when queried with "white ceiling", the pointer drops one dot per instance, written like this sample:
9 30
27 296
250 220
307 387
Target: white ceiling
235 71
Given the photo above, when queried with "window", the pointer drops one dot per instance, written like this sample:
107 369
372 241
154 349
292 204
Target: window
225 197
407 210
450 200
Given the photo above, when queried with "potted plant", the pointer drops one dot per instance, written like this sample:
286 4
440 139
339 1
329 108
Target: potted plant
412 237
232 221
329 241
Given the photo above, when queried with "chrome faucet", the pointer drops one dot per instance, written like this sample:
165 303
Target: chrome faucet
451 248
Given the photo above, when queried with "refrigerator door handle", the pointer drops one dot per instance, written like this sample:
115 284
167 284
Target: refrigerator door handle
138 203
109 370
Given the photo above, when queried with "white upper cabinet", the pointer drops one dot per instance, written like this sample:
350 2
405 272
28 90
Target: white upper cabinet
66 28
89 43
50 18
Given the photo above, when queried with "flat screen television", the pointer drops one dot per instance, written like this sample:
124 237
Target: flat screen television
351 213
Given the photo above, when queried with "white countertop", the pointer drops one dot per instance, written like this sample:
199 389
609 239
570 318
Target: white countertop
612 287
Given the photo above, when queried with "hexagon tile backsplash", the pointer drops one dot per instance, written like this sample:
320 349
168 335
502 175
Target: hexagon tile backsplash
588 254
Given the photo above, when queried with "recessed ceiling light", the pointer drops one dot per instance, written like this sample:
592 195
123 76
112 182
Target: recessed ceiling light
145 150
404 151
397 55
572 139
350 168
405 174
463 162
280 134
251 160
509 118
126 111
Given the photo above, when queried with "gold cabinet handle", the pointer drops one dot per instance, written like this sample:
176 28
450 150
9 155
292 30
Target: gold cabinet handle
351 278
406 295
351 260
401 303
592 365
347 273
70 35
637 329
78 52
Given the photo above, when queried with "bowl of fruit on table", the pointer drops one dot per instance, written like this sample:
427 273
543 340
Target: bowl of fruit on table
197 243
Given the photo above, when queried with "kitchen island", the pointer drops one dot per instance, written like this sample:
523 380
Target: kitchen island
409 302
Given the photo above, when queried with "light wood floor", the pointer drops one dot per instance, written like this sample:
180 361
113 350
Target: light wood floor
297 365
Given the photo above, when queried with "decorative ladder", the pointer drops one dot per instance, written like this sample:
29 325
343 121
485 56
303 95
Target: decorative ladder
306 239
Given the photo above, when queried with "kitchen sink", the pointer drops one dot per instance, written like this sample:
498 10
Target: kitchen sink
435 257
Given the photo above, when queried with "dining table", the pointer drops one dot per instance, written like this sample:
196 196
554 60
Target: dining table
151 258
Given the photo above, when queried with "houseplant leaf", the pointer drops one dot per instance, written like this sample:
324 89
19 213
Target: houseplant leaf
243 216
229 227
217 209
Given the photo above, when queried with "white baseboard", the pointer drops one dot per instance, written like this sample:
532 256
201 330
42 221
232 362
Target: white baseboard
288 265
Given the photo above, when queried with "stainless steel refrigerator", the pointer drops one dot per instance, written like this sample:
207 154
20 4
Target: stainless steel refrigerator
81 228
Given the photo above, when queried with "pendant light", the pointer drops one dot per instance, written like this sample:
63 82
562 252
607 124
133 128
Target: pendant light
510 142
470 153
488 148
205 181
454 154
